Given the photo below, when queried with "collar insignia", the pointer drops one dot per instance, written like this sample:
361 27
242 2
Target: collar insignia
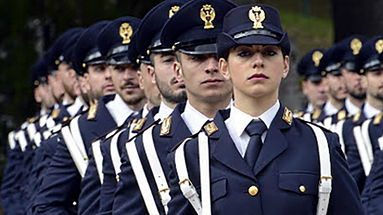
210 128
166 125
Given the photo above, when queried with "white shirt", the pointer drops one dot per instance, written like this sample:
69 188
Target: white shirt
119 110
370 111
310 108
75 107
164 111
351 108
145 110
238 121
330 109
193 119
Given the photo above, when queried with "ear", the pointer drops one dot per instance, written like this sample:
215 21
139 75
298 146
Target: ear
151 72
223 68
286 67
37 95
178 71
140 79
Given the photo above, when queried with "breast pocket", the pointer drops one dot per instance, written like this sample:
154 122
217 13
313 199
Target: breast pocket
218 189
299 183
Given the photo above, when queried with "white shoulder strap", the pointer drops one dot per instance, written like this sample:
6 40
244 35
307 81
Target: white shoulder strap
43 120
156 168
22 140
325 184
203 147
339 131
367 140
31 129
363 152
77 154
186 186
37 139
98 158
50 122
307 117
380 141
11 140
75 130
141 177
46 134
327 122
114 153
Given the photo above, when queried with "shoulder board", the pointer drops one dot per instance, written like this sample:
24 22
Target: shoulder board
139 124
92 113
341 115
357 116
166 126
316 114
287 116
210 128
55 113
144 129
378 118
312 123
299 114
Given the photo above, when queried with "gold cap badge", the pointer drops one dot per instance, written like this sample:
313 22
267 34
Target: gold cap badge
317 56
207 15
288 116
92 111
173 10
165 127
210 128
257 15
355 45
379 46
126 31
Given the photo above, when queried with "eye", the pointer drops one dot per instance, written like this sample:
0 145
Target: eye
269 52
168 60
244 53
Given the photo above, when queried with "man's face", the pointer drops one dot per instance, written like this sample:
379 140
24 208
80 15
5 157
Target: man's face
375 84
315 92
69 80
171 89
256 70
125 80
356 84
145 77
99 80
336 87
47 99
201 77
57 87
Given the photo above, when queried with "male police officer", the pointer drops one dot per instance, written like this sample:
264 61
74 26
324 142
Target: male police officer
313 85
251 161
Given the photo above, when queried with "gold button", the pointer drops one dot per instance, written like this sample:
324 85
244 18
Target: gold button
85 158
117 178
74 203
253 190
302 188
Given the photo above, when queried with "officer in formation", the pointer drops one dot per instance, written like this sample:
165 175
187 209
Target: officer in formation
178 113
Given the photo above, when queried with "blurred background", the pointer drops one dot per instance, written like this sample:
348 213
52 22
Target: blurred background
28 28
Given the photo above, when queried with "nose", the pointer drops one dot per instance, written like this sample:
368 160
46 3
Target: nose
212 64
258 61
108 74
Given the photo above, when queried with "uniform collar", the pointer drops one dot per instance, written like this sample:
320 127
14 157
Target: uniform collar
145 110
370 111
193 119
242 119
350 107
74 108
309 108
119 110
330 109
163 112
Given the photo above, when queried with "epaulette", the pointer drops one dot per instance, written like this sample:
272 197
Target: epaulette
166 126
378 118
316 114
55 113
287 116
139 124
92 113
144 129
357 116
341 115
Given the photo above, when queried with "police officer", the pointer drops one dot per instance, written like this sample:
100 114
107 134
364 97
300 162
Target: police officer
114 42
313 85
250 159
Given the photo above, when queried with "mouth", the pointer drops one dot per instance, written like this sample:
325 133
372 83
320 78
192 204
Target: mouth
212 81
109 87
258 77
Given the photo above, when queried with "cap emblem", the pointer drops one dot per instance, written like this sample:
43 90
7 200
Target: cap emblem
173 10
379 46
257 15
355 45
207 15
126 32
317 56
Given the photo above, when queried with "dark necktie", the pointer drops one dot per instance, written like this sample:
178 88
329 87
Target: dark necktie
255 130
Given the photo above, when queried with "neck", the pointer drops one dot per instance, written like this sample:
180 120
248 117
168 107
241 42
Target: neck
338 104
138 106
172 105
69 98
209 109
375 102
355 101
254 106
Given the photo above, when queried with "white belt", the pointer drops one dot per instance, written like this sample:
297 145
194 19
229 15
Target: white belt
339 131
203 148
22 140
98 158
31 129
327 123
307 117
380 141
155 166
114 153
325 184
11 140
73 140
362 149
367 140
